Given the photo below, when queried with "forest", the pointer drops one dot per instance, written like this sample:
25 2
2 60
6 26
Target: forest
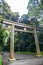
22 41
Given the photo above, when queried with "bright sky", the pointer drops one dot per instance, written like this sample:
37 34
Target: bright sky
18 6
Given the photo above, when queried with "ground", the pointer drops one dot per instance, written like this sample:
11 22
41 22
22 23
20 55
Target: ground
22 59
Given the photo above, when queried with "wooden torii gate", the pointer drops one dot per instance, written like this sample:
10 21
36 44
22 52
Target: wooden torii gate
16 26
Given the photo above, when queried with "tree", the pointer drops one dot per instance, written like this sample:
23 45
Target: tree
24 19
33 8
8 14
29 20
41 9
4 34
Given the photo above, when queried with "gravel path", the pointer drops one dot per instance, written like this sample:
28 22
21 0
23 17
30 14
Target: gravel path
22 59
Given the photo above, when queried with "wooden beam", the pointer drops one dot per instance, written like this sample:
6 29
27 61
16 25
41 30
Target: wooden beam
15 29
5 28
23 30
17 23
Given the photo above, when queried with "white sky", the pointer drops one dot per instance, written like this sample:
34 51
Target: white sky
18 6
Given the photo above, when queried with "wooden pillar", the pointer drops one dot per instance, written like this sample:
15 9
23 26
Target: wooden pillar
11 56
37 43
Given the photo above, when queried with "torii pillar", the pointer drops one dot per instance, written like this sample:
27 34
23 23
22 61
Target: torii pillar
37 43
11 55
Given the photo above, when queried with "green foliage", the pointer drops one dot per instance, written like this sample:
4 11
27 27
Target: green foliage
33 10
42 2
42 53
26 52
3 37
22 41
0 48
0 6
0 60
27 20
8 14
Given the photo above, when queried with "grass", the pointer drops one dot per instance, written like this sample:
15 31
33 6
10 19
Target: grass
42 53
0 60
26 52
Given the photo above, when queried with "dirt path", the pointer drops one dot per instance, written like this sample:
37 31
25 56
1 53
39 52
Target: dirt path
22 59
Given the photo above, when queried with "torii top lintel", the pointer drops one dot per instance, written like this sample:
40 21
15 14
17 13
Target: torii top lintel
9 22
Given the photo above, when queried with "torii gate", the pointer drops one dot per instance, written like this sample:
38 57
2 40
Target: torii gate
16 26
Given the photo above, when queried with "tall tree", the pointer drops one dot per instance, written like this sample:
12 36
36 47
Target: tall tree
24 19
33 8
8 14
